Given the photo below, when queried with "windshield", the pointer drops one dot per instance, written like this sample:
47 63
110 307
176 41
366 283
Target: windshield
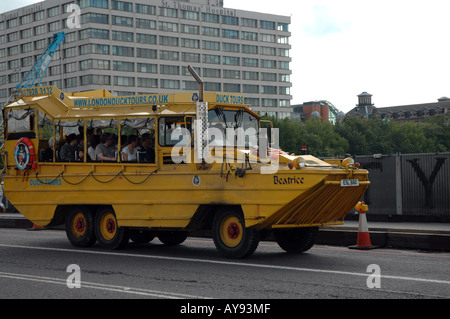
235 122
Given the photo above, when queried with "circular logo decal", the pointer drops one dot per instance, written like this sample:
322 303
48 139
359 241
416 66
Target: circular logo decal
21 156
61 96
196 180
194 97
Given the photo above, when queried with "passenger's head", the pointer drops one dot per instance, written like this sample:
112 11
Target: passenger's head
72 139
132 139
94 140
106 138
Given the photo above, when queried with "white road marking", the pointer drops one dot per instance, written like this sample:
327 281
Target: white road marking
92 285
228 263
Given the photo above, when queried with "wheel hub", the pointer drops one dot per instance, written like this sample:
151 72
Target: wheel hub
233 230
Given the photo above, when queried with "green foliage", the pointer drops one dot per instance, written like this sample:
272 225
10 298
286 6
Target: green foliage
364 136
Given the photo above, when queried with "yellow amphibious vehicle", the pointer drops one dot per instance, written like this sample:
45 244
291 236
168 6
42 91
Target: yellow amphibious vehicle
194 179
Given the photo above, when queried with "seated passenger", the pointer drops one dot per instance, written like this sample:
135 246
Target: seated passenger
129 152
68 150
147 152
48 152
94 140
105 150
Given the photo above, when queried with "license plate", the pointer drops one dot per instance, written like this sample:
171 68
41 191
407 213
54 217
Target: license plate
349 182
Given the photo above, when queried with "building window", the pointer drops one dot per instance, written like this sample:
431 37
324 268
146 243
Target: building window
123 51
70 52
230 34
94 49
232 74
94 64
250 49
251 101
211 59
250 62
250 36
190 43
40 15
271 38
70 37
230 20
95 79
122 21
26 19
169 55
284 65
168 26
209 17
269 64
123 66
283 40
283 52
54 26
94 33
169 41
168 12
14 50
147 68
251 23
248 75
70 82
189 15
230 47
189 85
232 87
231 60
190 57
26 47
269 25
39 44
145 9
70 67
213 86
211 45
52 12
268 89
170 84
94 3
121 5
146 53
191 29
284 78
285 90
269 102
283 27
169 69
271 77
13 23
145 24
40 30
123 81
145 38
212 32
211 73
249 88
122 36
147 83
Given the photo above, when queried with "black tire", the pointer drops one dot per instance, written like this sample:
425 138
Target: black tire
107 231
296 240
172 238
142 236
230 236
80 227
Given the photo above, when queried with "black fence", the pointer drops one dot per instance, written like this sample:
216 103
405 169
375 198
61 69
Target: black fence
408 185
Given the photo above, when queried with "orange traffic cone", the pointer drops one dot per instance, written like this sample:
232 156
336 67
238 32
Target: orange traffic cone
363 241
36 227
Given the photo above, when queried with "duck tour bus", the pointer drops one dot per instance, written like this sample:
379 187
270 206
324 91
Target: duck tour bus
115 168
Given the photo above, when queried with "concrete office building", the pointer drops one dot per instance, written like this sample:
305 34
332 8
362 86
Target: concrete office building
144 46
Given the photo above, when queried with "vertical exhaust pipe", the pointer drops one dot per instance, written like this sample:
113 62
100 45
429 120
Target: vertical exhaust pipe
199 81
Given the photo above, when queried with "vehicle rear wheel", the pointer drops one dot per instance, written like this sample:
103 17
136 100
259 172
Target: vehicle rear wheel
80 227
107 231
230 236
172 238
296 240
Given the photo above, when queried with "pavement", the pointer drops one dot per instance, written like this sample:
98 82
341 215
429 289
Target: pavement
399 235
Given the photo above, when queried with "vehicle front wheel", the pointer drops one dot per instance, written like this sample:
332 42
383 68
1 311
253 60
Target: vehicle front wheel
230 236
107 231
296 240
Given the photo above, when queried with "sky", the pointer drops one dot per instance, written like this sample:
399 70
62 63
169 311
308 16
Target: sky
397 50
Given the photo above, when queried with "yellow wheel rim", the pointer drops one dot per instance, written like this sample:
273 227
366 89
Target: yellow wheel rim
108 226
79 224
231 231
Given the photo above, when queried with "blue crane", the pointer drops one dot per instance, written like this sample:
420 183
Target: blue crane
37 72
